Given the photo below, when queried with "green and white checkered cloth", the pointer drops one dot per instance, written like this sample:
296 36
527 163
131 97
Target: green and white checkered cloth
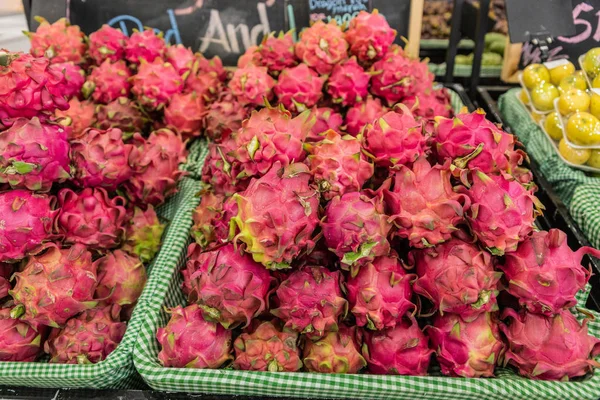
579 190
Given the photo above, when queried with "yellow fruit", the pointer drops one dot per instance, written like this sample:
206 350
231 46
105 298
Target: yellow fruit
537 117
595 105
591 62
594 160
523 96
573 155
534 74
583 128
596 82
552 126
543 95
562 71
575 81
573 100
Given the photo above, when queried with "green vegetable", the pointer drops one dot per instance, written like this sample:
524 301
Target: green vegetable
462 59
492 37
498 47
490 58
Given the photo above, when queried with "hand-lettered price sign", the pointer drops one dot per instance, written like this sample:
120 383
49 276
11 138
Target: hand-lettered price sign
340 10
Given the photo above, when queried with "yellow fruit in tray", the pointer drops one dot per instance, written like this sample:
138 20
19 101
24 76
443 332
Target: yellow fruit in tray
596 82
595 105
543 95
575 81
557 74
573 155
591 62
523 96
573 100
537 117
534 74
583 129
594 160
552 126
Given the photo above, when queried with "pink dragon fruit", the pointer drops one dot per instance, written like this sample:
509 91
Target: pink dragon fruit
155 83
88 338
397 76
6 271
338 165
91 217
423 205
322 46
143 233
120 114
207 66
369 36
23 96
325 118
470 349
206 86
145 45
348 83
19 341
34 155
223 117
219 170
59 42
107 43
502 211
55 285
299 88
430 104
80 116
277 216
356 229
185 113
182 58
362 114
155 165
101 159
310 301
211 219
380 293
228 286
336 353
189 341
250 57
108 82
252 85
121 279
395 139
545 274
402 350
456 277
74 76
27 222
266 347
277 52
549 348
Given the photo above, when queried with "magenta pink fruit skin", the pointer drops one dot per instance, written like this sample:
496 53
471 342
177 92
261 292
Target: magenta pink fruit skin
144 46
549 348
155 83
206 86
250 57
230 287
101 159
207 66
456 277
34 155
211 219
335 353
109 81
50 301
60 42
348 83
121 279
91 218
82 115
122 114
88 338
264 346
277 52
143 233
190 341
430 103
369 36
223 117
29 88
19 341
27 221
6 271
470 349
299 88
545 274
402 350
182 58
251 85
277 216
394 139
74 77
423 205
353 222
220 170
362 114
322 46
107 43
185 113
380 294
326 118
311 301
338 164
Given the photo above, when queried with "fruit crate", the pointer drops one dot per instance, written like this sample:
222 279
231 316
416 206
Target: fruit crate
117 371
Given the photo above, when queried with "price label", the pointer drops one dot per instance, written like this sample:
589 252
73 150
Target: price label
342 11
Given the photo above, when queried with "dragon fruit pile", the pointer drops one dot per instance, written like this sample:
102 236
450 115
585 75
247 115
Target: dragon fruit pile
82 168
401 241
